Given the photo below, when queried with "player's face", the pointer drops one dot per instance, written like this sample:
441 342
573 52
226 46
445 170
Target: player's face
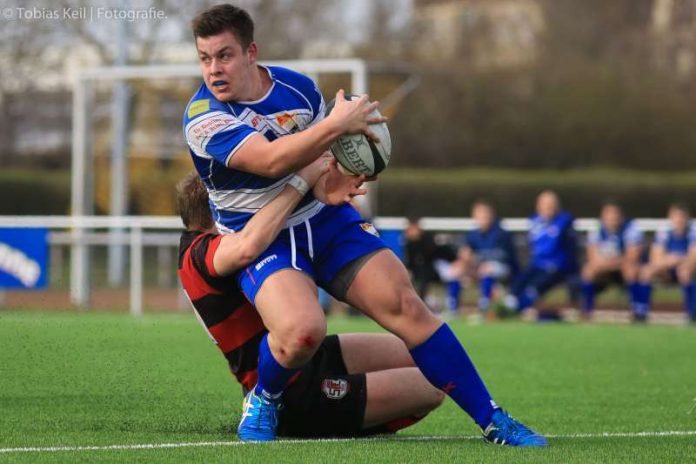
611 218
226 67
678 219
484 216
413 231
547 206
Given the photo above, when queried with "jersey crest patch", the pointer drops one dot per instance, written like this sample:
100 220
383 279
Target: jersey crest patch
287 121
335 389
369 228
197 107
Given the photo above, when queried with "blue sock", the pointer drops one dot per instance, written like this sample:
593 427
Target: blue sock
454 289
527 298
688 291
445 364
587 293
643 305
634 297
273 378
487 284
691 309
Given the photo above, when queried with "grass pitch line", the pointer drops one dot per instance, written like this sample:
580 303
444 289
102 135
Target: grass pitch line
202 444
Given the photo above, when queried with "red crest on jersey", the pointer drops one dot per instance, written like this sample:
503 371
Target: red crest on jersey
286 121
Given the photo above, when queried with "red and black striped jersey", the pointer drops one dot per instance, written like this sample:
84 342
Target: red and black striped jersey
230 320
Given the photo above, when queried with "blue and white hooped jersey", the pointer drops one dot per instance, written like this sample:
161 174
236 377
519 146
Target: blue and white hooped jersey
674 244
552 243
614 244
215 130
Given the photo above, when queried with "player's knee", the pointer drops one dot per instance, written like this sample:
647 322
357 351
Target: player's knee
588 273
307 337
299 342
684 275
438 398
630 272
433 401
646 274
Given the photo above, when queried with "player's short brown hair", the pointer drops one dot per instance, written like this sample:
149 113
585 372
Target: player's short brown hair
221 18
612 203
192 203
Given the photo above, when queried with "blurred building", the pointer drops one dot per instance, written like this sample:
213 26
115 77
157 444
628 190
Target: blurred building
673 27
482 33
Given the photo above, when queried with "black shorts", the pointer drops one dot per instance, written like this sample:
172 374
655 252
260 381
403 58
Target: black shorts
325 401
608 279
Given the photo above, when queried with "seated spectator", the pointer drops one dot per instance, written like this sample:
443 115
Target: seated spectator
552 247
672 259
613 257
449 273
487 253
419 250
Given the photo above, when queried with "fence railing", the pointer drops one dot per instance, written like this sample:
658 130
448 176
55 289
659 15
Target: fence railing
137 232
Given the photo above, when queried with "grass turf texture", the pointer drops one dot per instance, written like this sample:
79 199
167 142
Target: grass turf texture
71 379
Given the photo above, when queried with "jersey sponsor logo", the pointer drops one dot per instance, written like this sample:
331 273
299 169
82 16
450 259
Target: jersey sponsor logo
197 107
265 261
335 389
369 228
214 125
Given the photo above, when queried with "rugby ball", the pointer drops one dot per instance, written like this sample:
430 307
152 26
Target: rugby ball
357 154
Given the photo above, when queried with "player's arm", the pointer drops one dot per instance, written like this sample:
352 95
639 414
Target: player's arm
593 255
293 152
634 240
658 255
238 250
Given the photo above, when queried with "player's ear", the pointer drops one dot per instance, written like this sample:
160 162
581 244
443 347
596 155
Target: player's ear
252 53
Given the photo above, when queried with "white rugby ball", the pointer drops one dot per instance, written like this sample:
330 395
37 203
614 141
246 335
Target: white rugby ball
357 154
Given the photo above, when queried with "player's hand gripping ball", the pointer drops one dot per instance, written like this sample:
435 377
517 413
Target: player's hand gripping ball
357 154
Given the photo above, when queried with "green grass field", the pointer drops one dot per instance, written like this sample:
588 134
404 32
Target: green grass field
80 380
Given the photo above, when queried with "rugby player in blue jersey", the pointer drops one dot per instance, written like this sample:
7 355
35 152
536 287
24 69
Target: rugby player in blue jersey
672 259
613 256
552 248
487 253
249 127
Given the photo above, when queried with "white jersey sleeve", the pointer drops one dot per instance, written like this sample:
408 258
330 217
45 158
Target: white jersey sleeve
633 236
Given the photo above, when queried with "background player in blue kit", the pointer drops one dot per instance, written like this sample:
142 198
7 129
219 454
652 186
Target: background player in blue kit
672 259
249 127
553 249
613 256
487 254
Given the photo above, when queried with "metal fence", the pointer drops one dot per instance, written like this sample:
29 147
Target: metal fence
81 233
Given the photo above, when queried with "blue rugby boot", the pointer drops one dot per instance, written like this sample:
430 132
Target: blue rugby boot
504 430
259 418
